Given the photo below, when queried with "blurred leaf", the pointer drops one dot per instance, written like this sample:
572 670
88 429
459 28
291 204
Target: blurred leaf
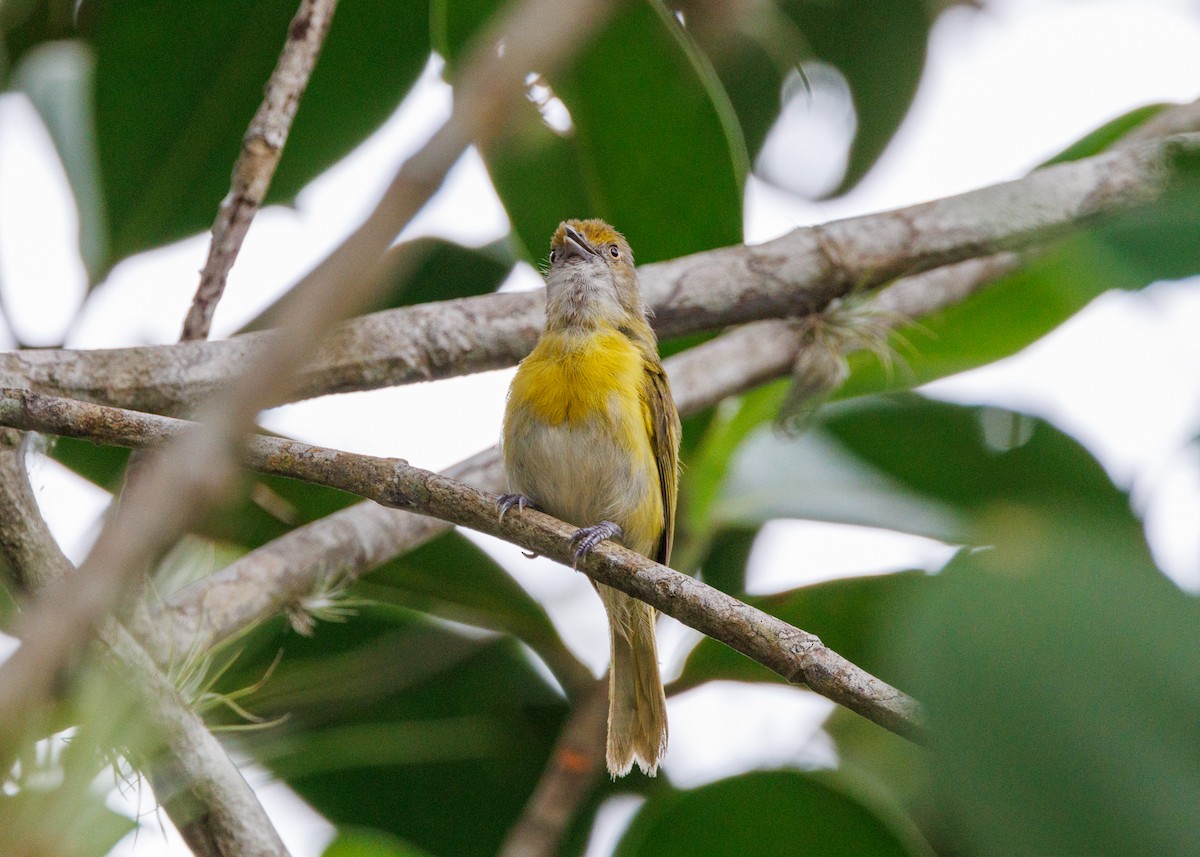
763 813
812 478
25 24
1061 673
177 84
728 552
1110 132
973 458
751 57
478 592
59 821
364 842
744 474
846 614
623 159
58 79
881 761
390 710
442 271
879 46
707 466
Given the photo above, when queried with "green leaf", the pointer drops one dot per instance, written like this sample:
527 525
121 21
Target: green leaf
177 84
725 564
390 710
845 614
971 460
478 592
624 158
879 46
975 458
764 813
1095 142
25 24
812 478
364 842
58 79
1061 675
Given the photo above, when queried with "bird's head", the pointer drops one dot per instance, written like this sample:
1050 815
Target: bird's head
591 279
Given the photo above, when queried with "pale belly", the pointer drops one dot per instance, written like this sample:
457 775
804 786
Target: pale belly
583 475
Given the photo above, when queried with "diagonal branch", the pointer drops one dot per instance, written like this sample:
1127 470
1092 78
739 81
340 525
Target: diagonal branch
796 274
185 481
357 539
262 147
201 789
796 655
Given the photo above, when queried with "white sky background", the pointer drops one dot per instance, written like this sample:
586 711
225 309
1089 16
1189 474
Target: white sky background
1004 89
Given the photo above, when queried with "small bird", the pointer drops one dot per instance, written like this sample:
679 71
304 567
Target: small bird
591 436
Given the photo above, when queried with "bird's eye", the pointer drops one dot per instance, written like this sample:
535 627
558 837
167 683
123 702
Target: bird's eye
553 256
614 252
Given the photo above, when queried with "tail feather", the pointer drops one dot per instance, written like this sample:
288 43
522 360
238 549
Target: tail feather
637 707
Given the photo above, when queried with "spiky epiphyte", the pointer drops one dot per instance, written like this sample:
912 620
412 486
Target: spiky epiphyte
827 339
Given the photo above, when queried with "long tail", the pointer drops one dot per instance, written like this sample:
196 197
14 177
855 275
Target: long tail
637 707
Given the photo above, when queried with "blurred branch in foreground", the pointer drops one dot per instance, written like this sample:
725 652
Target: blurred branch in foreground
202 791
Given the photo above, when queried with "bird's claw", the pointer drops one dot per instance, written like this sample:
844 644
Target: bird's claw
586 538
506 501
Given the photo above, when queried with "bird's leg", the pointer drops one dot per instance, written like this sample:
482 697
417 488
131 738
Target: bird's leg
586 538
506 501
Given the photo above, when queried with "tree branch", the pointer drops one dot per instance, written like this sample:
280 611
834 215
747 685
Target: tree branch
796 655
262 147
185 481
796 274
202 791
354 540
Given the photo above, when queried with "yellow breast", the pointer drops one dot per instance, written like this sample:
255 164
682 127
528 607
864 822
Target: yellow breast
573 377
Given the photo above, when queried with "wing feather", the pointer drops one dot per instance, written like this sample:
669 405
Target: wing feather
663 423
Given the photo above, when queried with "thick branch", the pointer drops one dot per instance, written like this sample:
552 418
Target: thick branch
262 146
796 274
188 479
212 806
796 655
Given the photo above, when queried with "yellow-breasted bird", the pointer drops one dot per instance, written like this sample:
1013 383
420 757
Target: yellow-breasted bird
591 436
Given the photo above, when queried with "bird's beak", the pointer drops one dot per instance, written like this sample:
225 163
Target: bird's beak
575 246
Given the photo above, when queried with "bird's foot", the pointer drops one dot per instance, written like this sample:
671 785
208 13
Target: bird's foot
506 501
586 538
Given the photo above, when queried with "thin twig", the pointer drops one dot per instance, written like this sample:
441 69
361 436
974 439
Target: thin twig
200 788
796 655
262 147
185 481
797 274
